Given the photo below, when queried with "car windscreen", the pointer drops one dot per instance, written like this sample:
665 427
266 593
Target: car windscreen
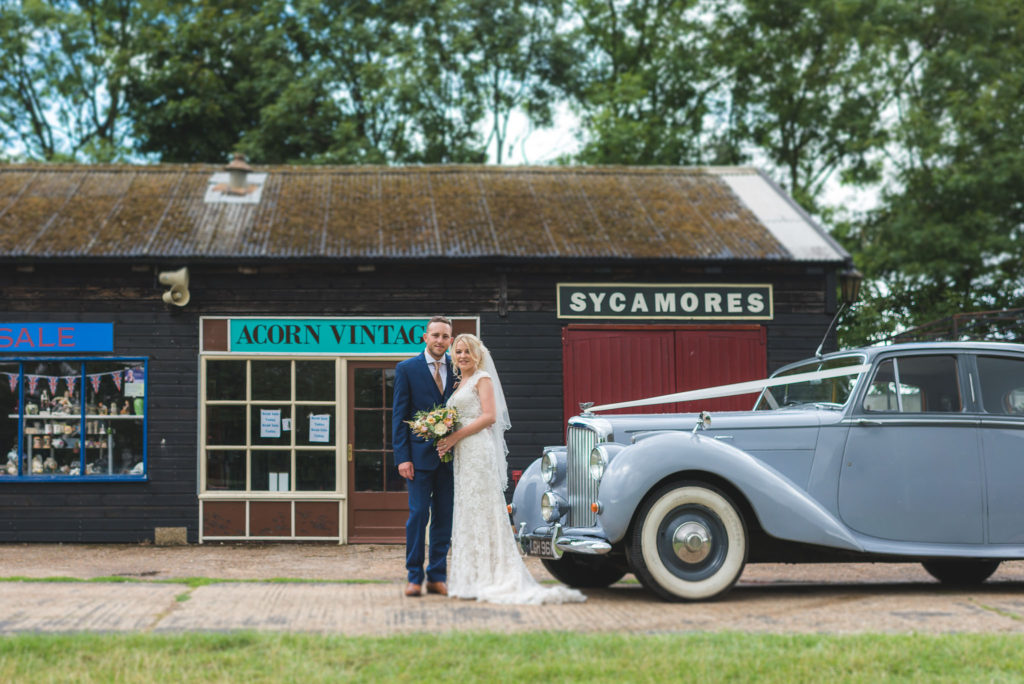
826 391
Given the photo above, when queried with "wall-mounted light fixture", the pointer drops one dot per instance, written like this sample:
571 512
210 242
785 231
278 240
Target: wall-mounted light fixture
849 285
178 295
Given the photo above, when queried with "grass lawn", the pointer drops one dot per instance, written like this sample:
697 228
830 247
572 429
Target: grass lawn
532 657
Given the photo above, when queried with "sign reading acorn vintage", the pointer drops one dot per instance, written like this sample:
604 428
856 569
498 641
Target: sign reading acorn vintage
678 301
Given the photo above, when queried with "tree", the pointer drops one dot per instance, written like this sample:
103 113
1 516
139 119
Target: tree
208 73
806 88
522 58
63 72
947 237
645 88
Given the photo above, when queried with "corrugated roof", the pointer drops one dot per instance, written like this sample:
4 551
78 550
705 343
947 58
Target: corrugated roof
53 211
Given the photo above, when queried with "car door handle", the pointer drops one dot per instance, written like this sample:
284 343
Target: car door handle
865 421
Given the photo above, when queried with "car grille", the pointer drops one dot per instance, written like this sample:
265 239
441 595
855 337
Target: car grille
582 488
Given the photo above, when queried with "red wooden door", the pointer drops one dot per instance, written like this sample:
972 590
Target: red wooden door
608 364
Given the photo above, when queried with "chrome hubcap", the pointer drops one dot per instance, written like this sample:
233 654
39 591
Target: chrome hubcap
691 542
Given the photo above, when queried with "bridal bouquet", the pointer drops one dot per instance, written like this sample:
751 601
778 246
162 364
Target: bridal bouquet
434 424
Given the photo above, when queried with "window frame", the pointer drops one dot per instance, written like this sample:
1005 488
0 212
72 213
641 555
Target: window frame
959 362
248 404
81 416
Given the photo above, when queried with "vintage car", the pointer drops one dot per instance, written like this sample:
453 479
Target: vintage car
902 453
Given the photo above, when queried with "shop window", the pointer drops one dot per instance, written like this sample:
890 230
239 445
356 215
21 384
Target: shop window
73 419
270 425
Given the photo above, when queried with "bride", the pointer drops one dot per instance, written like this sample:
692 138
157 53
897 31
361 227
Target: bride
485 563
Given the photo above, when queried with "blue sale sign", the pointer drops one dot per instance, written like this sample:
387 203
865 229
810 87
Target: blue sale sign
56 337
327 335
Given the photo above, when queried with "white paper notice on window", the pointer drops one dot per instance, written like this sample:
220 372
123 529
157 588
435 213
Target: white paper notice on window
270 423
320 428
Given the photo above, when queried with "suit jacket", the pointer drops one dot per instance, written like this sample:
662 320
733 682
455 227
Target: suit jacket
415 390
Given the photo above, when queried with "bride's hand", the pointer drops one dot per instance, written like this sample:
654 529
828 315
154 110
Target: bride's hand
445 445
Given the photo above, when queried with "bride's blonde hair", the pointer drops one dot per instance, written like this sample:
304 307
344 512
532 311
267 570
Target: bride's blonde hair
476 349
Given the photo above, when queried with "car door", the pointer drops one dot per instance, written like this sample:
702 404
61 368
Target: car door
1001 379
912 468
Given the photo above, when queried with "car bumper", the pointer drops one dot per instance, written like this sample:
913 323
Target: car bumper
553 541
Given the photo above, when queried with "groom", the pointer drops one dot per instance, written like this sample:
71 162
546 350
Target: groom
421 383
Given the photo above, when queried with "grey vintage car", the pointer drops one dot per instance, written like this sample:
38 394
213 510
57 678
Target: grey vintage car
903 453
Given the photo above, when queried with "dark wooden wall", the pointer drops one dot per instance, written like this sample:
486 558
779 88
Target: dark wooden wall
515 303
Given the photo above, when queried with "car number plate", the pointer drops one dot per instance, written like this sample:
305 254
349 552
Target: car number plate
540 547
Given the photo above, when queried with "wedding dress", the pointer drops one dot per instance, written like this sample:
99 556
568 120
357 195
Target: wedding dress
485 563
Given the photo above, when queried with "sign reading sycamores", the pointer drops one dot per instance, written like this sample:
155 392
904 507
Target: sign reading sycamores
693 301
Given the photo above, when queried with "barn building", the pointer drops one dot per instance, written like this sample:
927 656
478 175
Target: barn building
209 350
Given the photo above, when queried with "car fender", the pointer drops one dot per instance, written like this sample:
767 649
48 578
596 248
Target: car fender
784 510
526 497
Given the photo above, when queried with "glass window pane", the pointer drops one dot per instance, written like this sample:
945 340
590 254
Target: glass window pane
271 471
9 425
315 471
115 388
1002 384
225 380
369 469
272 380
369 390
225 470
931 382
389 386
368 431
268 425
314 380
323 424
394 481
114 446
881 394
225 425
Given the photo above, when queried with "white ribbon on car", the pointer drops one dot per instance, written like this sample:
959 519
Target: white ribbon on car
737 388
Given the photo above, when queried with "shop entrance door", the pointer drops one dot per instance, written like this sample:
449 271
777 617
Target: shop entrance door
378 504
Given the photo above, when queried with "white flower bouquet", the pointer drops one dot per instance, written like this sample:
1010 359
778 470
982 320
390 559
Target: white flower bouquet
435 424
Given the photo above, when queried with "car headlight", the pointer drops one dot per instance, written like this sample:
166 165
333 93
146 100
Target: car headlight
598 462
549 467
552 506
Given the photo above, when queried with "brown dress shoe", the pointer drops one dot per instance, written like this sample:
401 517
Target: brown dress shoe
413 589
437 588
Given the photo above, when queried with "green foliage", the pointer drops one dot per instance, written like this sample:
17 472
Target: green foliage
63 72
921 103
804 83
206 71
947 236
644 89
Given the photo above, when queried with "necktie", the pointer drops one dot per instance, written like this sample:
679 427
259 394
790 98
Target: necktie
437 377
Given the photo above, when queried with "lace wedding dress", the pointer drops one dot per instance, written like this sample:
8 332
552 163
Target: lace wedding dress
485 563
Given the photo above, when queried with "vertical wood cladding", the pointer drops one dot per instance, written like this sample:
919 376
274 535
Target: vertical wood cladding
515 303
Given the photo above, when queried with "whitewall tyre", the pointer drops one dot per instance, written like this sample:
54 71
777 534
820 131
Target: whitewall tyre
689 542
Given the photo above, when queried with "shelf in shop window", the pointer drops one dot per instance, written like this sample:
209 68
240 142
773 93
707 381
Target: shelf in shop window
88 416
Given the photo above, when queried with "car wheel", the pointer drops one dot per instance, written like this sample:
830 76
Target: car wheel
584 571
961 573
689 542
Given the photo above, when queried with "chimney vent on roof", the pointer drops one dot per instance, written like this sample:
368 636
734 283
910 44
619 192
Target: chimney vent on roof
237 172
236 183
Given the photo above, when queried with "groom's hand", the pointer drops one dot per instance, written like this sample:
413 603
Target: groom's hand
406 470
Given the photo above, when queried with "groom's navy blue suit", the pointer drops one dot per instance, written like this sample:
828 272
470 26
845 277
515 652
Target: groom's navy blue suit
431 491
